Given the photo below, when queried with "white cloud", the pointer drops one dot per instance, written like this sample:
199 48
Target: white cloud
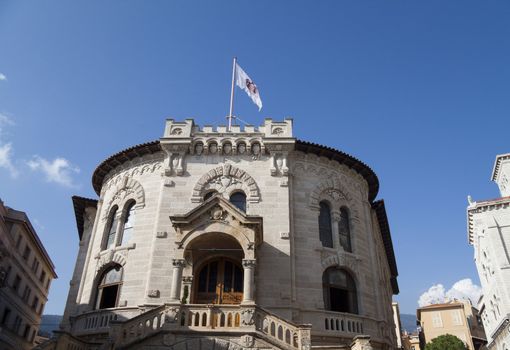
464 289
6 148
6 159
59 170
435 295
3 77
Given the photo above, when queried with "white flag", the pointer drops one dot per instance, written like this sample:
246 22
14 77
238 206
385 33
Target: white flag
245 83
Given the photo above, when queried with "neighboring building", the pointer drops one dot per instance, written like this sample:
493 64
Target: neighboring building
410 341
398 324
489 234
26 272
458 318
209 238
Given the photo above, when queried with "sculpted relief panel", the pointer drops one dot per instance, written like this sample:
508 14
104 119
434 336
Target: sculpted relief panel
226 179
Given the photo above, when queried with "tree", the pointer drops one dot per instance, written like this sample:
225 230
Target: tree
446 342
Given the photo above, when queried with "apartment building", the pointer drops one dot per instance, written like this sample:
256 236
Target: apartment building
26 272
458 318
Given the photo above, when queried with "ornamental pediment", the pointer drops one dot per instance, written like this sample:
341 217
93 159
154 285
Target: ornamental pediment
217 215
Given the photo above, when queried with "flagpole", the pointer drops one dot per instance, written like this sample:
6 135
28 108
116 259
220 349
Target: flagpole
231 114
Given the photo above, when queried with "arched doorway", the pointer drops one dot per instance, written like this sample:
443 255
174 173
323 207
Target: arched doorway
219 281
216 268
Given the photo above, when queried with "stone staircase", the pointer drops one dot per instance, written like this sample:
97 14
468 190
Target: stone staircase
245 322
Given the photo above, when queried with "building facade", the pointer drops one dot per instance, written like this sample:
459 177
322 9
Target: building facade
26 272
489 234
248 238
458 318
397 323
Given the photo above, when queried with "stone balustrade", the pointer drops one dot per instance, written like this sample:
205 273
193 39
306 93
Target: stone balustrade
330 323
212 318
99 320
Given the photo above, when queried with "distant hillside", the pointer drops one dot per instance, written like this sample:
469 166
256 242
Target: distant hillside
49 323
408 322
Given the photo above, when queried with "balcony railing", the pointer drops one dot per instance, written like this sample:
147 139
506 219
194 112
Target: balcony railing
213 318
330 323
98 321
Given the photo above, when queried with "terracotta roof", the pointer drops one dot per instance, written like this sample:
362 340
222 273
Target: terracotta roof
303 146
118 158
382 218
79 204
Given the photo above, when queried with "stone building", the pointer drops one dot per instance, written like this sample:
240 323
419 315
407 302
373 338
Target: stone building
489 234
240 239
26 272
458 318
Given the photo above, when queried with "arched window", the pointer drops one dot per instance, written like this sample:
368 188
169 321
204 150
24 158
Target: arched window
108 289
239 200
339 291
113 221
325 233
344 229
129 221
209 195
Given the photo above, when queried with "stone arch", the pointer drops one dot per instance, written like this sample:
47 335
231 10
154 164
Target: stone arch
241 237
352 270
332 191
225 179
128 189
110 258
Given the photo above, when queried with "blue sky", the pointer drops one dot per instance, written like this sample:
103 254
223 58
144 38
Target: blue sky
417 90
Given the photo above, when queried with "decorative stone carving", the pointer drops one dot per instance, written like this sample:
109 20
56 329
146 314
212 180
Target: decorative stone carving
161 234
213 148
277 131
169 338
127 190
171 315
247 341
225 179
227 148
199 148
178 263
248 317
153 293
217 214
168 183
177 131
241 148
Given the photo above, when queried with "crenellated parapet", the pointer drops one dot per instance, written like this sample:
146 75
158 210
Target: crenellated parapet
272 139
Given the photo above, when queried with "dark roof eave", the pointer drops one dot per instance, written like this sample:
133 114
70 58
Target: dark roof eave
79 204
343 158
118 158
382 218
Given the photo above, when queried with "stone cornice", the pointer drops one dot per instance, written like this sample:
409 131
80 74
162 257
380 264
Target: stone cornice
478 207
497 164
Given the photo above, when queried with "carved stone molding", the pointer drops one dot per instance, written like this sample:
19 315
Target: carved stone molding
180 263
340 259
225 179
249 263
153 293
128 189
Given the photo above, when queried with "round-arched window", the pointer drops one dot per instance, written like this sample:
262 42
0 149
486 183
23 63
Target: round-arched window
325 232
339 291
108 288
239 200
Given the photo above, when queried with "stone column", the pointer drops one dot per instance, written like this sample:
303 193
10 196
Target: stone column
335 220
187 282
175 289
249 281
